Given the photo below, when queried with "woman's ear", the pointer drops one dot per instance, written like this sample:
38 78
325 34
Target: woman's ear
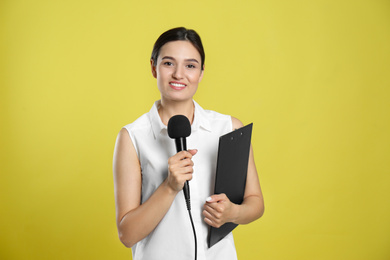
201 74
153 67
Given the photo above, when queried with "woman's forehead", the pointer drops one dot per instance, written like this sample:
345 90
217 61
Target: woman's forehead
179 50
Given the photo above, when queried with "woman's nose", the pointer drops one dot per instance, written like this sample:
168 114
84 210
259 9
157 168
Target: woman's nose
178 73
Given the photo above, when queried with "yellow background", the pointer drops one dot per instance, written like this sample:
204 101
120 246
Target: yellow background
313 77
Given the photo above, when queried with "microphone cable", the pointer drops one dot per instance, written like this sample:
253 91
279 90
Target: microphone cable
188 202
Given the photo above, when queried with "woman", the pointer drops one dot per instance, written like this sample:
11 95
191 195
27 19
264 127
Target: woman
149 175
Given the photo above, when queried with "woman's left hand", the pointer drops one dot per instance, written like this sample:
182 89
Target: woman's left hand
219 210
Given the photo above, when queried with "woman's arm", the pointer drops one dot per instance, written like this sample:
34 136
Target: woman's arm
135 220
218 209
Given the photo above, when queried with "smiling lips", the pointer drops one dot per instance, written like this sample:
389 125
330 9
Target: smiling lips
177 85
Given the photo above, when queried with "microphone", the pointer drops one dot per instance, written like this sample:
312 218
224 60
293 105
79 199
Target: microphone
179 128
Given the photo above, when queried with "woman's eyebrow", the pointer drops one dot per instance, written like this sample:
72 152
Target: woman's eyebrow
171 58
193 60
167 58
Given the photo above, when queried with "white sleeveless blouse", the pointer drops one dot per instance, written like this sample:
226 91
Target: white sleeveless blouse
173 237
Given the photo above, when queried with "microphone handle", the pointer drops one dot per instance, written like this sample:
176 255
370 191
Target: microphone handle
186 190
181 145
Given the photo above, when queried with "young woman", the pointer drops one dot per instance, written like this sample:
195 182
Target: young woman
149 175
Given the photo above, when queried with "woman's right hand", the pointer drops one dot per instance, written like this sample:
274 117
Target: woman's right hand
180 169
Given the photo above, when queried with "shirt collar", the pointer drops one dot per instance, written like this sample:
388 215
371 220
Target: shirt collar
200 120
155 120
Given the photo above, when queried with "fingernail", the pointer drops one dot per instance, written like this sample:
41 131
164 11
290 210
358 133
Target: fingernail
208 199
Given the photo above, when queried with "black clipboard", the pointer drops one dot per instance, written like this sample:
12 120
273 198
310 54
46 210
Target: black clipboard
232 168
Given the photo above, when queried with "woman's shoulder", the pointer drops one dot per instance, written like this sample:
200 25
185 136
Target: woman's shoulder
141 123
216 116
236 123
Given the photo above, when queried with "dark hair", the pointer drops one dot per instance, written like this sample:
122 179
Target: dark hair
179 34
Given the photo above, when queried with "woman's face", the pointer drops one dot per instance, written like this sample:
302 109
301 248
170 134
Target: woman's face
178 70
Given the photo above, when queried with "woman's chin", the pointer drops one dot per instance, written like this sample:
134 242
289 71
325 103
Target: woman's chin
177 97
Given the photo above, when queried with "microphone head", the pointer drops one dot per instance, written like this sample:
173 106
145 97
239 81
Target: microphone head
179 127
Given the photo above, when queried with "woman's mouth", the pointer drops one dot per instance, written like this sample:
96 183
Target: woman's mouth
177 85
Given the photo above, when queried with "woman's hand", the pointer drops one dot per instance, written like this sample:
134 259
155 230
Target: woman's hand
219 210
180 169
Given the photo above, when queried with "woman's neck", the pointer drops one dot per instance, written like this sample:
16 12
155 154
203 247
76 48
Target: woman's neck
171 108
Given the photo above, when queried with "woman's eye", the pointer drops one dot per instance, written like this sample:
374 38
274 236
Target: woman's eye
168 63
191 66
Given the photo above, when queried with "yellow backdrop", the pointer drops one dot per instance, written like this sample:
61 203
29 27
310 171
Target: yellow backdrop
313 77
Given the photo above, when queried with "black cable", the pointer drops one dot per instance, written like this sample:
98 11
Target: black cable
193 229
188 202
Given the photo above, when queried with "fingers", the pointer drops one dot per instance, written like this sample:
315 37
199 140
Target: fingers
184 154
217 210
217 197
181 163
181 156
193 151
213 215
214 211
180 167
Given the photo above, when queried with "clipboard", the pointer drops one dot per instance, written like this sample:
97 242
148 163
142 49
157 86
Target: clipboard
232 168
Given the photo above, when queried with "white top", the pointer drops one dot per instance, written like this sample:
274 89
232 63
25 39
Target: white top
173 237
